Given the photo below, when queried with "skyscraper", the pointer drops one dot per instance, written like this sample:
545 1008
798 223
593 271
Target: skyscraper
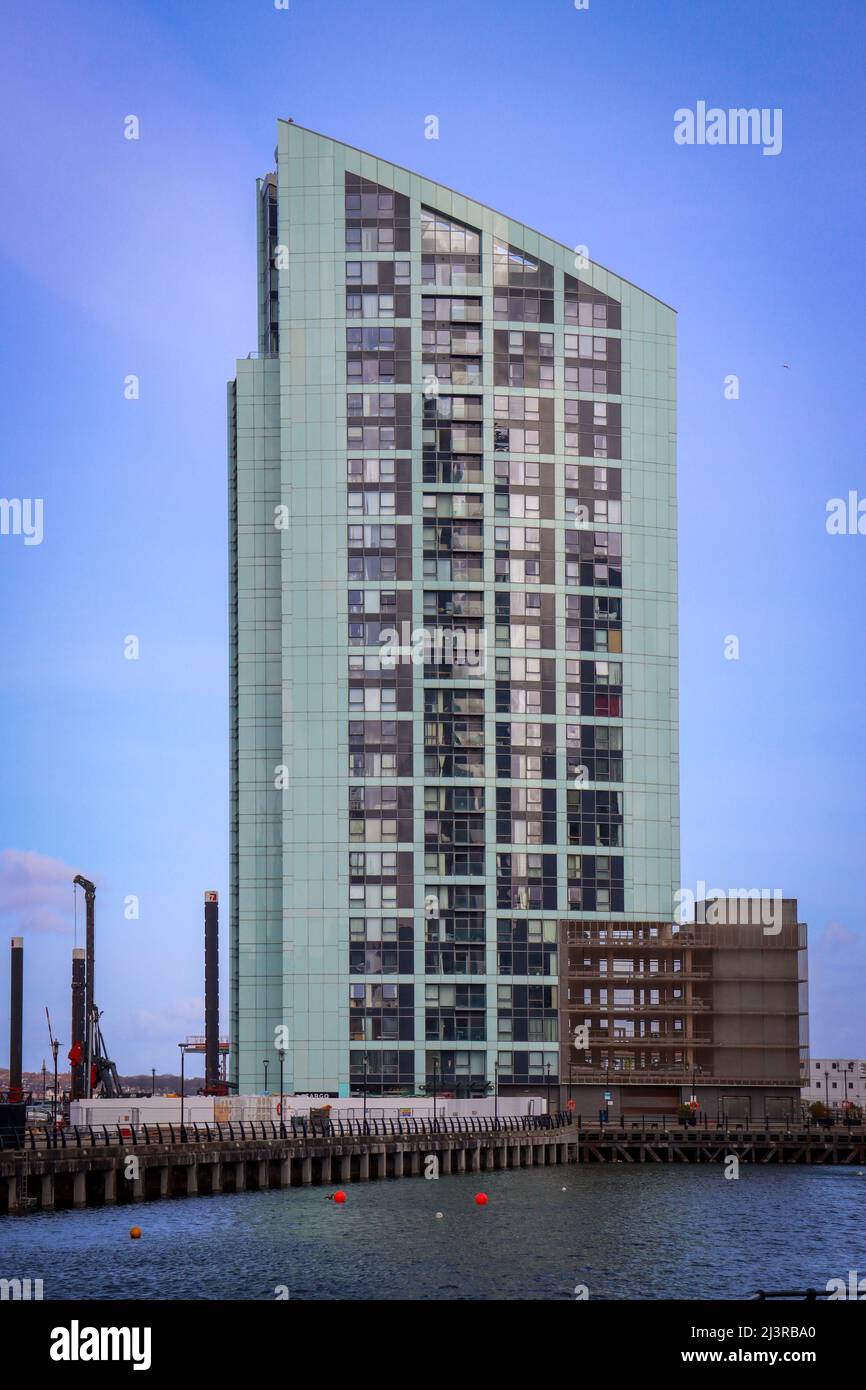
453 630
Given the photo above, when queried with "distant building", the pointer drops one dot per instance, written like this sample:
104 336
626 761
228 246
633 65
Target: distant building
834 1080
711 1010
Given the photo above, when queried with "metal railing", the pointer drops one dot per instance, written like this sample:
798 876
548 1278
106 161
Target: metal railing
793 1127
269 1132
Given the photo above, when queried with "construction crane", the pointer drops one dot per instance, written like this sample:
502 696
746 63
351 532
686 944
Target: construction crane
99 1070
89 901
104 1070
55 1048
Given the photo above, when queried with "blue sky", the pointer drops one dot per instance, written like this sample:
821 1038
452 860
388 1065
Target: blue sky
121 257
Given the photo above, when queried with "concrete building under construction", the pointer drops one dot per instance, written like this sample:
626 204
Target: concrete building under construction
711 1013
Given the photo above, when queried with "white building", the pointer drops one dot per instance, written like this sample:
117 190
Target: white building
833 1080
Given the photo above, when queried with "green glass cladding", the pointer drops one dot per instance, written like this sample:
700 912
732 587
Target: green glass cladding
453 627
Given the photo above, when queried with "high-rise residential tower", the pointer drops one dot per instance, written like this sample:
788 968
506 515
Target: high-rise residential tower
453 628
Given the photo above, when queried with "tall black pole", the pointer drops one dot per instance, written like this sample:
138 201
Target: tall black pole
182 1057
365 1093
211 990
55 1048
265 1065
16 1020
90 949
496 1089
282 1056
76 1087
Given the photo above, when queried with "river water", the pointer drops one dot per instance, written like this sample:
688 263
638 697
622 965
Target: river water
639 1232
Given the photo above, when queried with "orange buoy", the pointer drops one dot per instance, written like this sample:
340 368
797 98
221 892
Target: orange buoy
339 1197
481 1199
135 1232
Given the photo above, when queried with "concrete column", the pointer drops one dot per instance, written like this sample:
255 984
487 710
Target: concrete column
240 1177
216 1179
326 1169
530 1156
192 1180
12 1185
109 1190
263 1175
163 1181
285 1172
475 1159
461 1160
488 1158
415 1163
306 1171
79 1190
364 1167
445 1161
138 1186
48 1192
345 1168
398 1163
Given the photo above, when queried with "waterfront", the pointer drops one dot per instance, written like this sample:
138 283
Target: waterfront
652 1232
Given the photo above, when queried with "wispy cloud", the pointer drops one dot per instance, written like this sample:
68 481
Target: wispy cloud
35 892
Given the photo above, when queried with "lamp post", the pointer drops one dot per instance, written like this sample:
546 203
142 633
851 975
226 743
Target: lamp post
496 1089
827 1088
364 1091
547 1075
153 1081
281 1053
43 1081
182 1058
435 1081
265 1065
55 1047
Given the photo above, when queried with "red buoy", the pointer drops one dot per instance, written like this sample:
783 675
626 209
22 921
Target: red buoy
481 1199
339 1197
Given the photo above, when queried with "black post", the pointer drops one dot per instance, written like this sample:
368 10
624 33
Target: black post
16 1020
153 1081
55 1047
265 1065
182 1057
496 1089
365 1092
547 1072
211 990
282 1056
90 938
79 1040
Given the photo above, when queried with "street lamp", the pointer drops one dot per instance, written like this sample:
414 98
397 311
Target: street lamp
153 1081
547 1071
55 1047
182 1047
827 1088
364 1091
265 1065
496 1089
281 1053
